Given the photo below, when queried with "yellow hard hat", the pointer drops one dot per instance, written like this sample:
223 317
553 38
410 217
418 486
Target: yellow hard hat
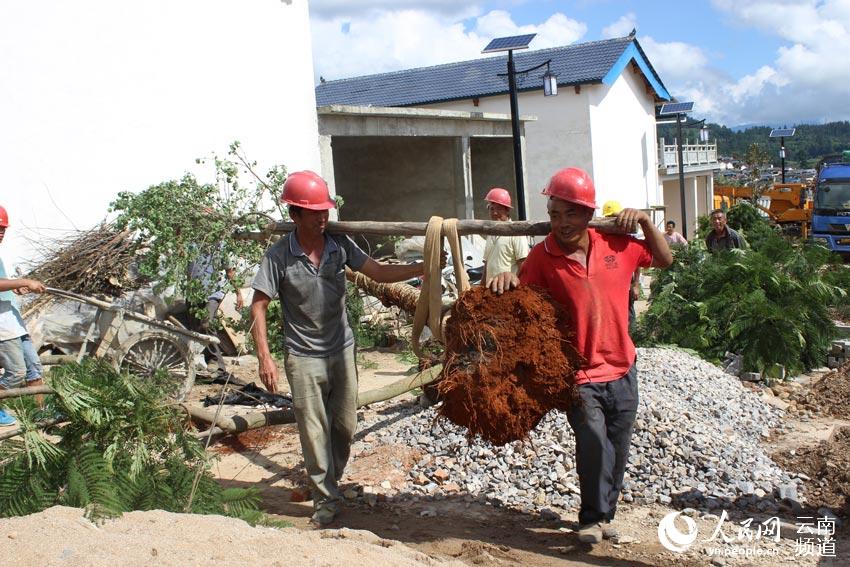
611 208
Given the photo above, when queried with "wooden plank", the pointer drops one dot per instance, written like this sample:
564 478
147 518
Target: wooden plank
464 227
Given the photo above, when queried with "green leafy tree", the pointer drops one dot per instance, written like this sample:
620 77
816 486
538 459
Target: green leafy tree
181 221
756 157
770 303
119 446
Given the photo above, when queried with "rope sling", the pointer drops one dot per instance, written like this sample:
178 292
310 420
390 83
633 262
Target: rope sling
429 308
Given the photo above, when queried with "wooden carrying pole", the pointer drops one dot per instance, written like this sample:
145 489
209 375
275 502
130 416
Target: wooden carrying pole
464 227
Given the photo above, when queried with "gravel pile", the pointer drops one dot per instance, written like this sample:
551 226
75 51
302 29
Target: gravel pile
697 440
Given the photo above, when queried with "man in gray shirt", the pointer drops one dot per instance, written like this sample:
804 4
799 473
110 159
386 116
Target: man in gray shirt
722 237
306 270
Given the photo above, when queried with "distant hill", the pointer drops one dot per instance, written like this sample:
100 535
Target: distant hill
810 142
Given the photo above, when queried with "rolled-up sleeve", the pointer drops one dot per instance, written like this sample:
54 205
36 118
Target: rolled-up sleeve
269 276
355 255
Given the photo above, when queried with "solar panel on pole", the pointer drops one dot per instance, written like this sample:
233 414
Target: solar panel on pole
782 132
508 43
675 108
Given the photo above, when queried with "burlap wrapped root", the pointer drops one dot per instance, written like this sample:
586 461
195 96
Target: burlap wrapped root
509 361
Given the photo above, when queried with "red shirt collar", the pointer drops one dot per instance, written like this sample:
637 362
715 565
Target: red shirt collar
551 245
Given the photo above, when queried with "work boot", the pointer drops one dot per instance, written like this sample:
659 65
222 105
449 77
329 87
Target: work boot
590 533
323 516
609 531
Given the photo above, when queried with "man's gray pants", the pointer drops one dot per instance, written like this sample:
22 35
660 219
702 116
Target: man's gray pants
602 422
324 394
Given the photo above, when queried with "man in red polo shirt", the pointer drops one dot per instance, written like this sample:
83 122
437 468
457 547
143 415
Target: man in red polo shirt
589 273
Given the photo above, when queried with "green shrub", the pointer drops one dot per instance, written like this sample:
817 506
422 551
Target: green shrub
121 447
770 303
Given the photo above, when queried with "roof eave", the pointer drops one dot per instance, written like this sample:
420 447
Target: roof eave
633 53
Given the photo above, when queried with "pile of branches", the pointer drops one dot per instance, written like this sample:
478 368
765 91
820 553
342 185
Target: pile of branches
96 262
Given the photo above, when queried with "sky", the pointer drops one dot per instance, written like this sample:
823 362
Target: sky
740 61
101 96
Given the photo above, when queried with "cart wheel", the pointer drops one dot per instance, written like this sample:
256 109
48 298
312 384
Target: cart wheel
145 353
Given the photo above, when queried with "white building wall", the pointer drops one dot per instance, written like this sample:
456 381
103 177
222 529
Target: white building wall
625 158
129 94
608 131
560 136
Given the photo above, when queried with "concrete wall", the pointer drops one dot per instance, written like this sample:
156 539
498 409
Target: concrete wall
625 159
492 166
699 193
398 178
705 195
560 136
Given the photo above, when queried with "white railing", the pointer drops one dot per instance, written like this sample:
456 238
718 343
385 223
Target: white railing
692 154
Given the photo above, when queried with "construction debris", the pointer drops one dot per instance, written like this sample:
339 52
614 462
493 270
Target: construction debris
830 395
508 363
839 354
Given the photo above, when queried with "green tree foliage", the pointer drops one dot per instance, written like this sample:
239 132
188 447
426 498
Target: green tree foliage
810 142
756 157
180 221
770 303
120 447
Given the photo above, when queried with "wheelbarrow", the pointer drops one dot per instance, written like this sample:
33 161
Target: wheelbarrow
137 343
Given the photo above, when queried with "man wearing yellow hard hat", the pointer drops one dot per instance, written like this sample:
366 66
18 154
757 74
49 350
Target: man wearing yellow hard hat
611 209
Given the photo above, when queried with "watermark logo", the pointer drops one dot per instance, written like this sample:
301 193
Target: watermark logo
670 536
814 536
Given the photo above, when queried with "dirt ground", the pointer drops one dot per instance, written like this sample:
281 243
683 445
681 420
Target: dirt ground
391 527
456 527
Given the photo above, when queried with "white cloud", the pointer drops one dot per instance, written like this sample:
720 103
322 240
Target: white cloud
808 80
674 60
621 27
388 40
331 9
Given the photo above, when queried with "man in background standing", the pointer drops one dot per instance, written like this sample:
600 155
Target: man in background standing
672 237
722 237
502 253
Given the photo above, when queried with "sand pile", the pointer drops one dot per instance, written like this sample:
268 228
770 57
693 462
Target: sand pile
62 536
509 361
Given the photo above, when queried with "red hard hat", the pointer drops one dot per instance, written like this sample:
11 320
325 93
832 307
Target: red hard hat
307 189
499 196
4 217
574 185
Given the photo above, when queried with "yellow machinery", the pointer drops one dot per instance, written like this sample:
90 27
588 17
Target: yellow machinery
790 203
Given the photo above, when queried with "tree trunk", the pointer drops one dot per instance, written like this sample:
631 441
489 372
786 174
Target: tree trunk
28 391
238 424
464 227
399 387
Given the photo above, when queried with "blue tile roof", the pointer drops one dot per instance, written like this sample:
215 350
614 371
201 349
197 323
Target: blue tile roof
583 63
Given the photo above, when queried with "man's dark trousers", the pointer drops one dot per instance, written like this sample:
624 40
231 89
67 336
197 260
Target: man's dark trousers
603 421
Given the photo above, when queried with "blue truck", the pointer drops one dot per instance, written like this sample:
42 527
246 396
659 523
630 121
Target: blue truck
831 211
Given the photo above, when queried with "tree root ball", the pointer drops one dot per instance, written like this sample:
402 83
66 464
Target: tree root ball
509 361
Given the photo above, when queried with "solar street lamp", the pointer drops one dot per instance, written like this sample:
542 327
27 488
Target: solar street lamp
782 133
550 82
680 110
550 88
703 134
